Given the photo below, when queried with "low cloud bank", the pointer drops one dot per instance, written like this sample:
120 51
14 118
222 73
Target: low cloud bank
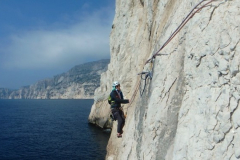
60 46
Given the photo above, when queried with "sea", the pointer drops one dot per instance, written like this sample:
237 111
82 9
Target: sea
50 130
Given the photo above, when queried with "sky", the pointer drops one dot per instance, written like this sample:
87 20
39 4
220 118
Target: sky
42 38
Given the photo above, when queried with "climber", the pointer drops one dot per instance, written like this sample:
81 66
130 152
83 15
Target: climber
117 96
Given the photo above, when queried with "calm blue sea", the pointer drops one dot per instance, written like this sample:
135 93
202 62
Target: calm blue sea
49 130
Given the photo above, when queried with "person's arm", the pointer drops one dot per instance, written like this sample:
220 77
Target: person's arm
117 99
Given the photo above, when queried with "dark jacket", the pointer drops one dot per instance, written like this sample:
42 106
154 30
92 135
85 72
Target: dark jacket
117 97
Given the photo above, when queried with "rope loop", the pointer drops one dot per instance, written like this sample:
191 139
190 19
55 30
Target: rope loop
147 75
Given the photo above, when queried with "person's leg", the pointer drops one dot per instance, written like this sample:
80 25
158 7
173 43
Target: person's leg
120 122
123 120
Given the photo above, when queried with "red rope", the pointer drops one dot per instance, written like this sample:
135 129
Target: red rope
188 17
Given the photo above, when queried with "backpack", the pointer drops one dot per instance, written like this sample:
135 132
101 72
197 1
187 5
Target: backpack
110 101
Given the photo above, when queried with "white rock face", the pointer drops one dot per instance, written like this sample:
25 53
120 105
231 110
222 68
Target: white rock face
190 109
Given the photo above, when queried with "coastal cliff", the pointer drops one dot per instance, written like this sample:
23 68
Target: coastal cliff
79 82
190 108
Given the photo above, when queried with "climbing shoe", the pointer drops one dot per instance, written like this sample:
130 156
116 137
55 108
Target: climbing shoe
119 135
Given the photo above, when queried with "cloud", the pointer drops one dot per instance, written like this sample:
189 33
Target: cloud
61 45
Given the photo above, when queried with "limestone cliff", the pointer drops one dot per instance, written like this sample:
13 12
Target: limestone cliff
190 108
4 93
79 82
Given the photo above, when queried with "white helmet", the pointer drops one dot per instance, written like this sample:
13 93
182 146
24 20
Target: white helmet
115 83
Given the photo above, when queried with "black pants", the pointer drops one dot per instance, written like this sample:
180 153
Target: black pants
119 116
